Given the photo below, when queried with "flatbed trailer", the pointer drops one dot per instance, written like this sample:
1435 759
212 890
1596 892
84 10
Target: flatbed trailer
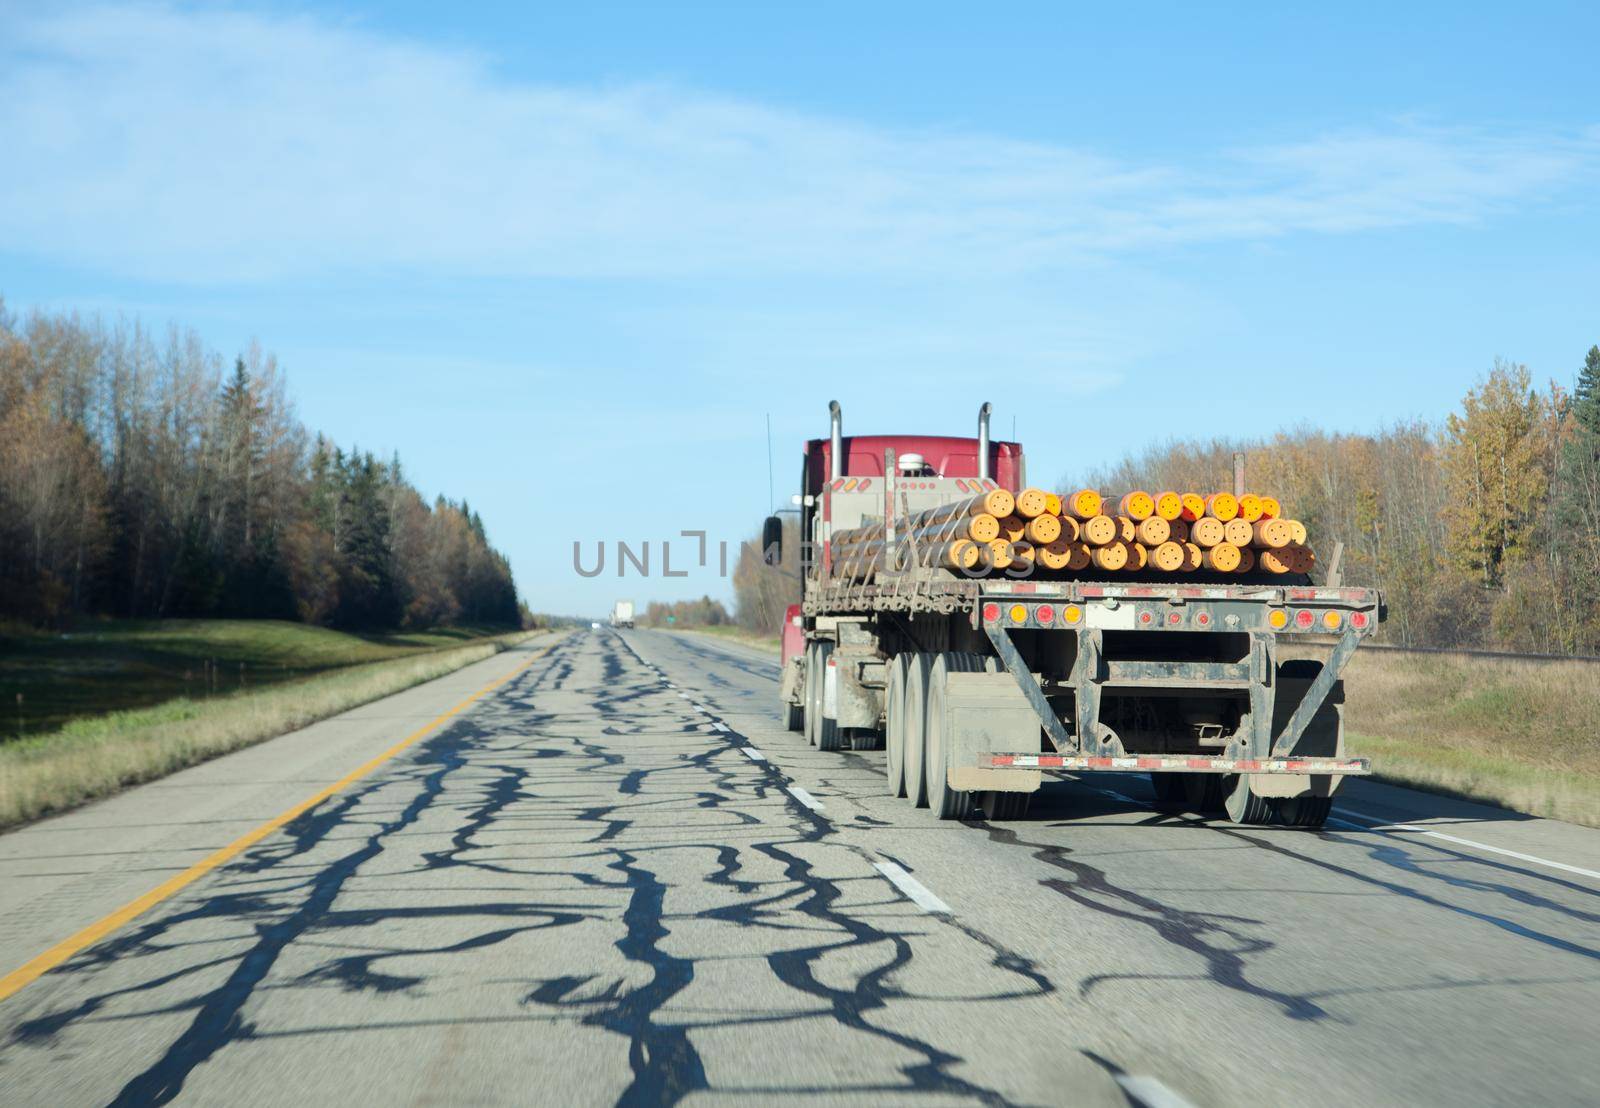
1227 692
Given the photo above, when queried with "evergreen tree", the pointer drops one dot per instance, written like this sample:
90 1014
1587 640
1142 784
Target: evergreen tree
368 594
1576 510
1586 396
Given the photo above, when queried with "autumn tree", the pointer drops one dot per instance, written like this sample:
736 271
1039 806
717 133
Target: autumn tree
1497 466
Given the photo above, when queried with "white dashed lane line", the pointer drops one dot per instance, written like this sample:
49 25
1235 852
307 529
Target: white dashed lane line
1150 1092
1371 823
805 798
915 890
753 754
719 726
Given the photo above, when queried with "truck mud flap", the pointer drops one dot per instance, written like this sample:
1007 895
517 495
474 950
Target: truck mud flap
987 712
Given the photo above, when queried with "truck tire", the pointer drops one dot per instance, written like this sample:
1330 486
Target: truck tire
829 736
1245 807
916 713
945 802
1001 807
794 716
1242 804
1305 811
894 728
1204 793
812 696
1170 790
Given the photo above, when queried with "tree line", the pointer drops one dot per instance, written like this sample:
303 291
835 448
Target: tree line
1482 531
148 478
704 612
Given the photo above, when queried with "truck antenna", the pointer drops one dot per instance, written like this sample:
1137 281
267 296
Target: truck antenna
769 462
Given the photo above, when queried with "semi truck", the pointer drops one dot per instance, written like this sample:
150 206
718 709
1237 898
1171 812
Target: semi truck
1228 693
622 614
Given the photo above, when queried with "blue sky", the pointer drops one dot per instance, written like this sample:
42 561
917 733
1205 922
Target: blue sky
544 251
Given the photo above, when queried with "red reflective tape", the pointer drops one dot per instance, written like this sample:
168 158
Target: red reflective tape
1000 759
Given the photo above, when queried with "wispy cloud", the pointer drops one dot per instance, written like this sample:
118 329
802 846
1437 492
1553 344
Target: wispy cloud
227 146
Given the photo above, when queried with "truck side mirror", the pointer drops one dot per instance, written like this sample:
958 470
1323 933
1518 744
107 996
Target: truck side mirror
772 541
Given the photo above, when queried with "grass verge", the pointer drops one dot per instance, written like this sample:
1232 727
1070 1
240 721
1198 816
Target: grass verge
1523 735
737 635
91 758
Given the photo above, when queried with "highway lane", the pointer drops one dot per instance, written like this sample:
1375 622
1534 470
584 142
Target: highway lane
614 878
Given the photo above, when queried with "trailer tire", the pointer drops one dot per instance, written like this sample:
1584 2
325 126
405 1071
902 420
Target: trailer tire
913 766
894 727
830 736
1204 793
1242 804
945 802
794 717
1245 807
1170 789
815 659
1001 807
1305 811
808 721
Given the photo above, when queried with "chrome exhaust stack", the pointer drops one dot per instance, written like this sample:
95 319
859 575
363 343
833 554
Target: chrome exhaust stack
983 441
836 433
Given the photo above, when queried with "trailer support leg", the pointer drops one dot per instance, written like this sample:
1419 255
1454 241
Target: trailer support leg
1012 660
1086 680
1263 693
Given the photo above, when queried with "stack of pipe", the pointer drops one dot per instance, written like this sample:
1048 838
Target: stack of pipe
1169 533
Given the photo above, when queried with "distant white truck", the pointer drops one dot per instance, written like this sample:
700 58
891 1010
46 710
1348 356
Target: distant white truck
622 614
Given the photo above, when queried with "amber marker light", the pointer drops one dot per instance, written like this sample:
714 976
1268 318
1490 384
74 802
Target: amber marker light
1278 619
1019 613
1071 614
1331 620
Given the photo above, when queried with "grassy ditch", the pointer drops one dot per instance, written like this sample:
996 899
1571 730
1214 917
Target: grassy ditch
94 757
1523 735
115 665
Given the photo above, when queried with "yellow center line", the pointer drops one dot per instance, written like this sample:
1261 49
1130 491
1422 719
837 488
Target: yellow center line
36 967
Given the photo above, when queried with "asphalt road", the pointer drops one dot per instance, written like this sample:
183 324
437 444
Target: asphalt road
613 878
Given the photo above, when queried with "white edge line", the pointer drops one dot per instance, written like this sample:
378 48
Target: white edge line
1371 823
753 754
914 890
805 798
1150 1092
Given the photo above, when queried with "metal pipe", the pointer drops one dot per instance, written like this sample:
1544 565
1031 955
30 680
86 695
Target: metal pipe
983 441
836 433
